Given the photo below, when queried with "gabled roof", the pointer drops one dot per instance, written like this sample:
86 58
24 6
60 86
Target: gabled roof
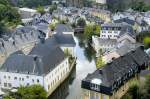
107 42
65 39
126 20
60 28
43 58
116 71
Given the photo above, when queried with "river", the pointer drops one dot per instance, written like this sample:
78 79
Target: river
85 64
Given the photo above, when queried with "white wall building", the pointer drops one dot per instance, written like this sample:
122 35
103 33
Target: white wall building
113 30
27 13
101 1
112 35
46 65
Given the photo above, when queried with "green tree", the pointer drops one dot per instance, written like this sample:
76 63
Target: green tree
99 62
52 27
126 96
40 9
81 22
29 92
32 3
97 30
88 32
52 8
147 42
9 17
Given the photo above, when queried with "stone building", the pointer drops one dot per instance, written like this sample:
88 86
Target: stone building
113 80
74 3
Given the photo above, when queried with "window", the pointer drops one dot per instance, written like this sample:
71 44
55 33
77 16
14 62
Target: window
8 77
27 76
5 84
5 77
28 84
22 79
38 80
48 87
15 78
19 78
9 85
32 80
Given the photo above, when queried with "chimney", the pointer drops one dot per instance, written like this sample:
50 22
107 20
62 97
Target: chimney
13 43
100 71
42 39
35 58
3 44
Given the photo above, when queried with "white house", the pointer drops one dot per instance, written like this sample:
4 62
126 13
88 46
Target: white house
27 14
46 65
113 30
112 35
101 1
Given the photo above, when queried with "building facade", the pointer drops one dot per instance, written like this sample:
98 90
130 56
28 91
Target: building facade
113 80
46 65
113 35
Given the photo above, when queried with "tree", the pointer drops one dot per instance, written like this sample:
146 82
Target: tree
29 92
52 8
9 16
126 96
91 30
81 22
40 9
97 30
99 62
88 32
31 3
52 27
147 42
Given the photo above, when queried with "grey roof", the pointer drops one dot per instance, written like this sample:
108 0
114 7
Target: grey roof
140 56
115 70
107 42
43 27
126 48
65 39
121 26
17 42
43 58
126 20
60 28
22 64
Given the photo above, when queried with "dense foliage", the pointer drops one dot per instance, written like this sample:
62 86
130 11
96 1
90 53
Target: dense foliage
31 3
91 30
139 91
144 38
81 22
9 16
121 5
30 92
40 10
140 6
52 8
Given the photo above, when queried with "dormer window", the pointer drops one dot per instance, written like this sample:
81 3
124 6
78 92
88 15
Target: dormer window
95 84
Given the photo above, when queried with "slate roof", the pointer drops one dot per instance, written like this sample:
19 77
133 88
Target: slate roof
126 20
120 26
17 41
60 28
126 48
117 71
107 42
22 64
43 58
65 39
